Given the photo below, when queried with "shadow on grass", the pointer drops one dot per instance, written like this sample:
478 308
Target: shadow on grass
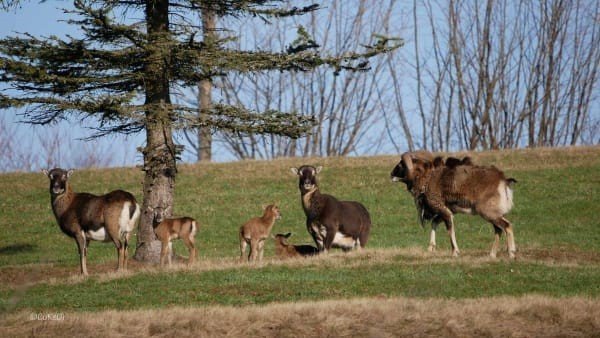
18 248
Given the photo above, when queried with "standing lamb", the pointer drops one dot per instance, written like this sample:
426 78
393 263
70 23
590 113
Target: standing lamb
256 231
168 229
331 223
86 217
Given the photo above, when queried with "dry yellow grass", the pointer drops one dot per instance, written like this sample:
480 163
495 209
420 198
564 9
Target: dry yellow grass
528 316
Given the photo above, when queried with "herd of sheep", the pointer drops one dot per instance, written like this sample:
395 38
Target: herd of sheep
440 188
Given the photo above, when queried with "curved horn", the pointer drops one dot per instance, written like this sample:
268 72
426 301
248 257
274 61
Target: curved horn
407 159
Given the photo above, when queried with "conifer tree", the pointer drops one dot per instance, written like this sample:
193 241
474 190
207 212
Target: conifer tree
131 54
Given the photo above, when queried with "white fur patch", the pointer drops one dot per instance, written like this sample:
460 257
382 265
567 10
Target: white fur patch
127 224
506 198
98 235
343 241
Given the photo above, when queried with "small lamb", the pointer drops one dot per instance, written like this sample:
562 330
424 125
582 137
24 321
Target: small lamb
256 231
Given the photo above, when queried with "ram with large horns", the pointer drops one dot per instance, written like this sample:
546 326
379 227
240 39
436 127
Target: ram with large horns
442 189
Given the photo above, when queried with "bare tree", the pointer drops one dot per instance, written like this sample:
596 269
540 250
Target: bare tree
345 105
507 73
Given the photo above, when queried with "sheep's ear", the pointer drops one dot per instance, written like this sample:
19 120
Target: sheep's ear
295 171
287 235
46 172
264 206
319 169
69 173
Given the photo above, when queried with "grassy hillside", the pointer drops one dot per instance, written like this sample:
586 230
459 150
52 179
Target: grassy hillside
555 216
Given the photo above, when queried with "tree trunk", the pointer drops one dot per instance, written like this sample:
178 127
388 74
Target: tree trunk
160 153
209 21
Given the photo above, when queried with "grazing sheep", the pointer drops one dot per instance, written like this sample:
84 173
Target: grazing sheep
331 223
168 229
86 217
256 231
285 250
442 189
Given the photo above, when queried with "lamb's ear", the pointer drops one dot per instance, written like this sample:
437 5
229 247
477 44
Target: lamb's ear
69 173
46 172
319 169
295 171
287 235
264 206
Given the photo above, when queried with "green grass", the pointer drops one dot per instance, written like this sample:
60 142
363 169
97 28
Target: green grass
555 216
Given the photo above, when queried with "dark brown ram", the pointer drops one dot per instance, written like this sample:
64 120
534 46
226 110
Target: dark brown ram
331 223
441 190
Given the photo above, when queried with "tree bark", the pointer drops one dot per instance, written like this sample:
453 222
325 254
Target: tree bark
159 153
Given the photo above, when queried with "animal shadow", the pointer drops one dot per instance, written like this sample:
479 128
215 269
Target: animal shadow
18 248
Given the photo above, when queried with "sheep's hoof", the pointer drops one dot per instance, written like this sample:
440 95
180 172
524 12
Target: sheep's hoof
431 247
455 253
511 255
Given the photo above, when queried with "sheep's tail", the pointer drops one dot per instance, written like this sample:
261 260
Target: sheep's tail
508 191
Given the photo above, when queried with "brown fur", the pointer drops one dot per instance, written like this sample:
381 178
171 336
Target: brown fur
256 231
331 223
86 217
285 250
168 229
458 186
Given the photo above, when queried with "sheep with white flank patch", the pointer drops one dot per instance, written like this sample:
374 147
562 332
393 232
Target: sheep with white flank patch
331 222
256 231
457 186
86 217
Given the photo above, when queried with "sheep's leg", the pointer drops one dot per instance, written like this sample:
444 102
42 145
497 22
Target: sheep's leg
81 245
448 218
510 238
113 232
329 237
313 231
432 242
125 247
503 224
497 235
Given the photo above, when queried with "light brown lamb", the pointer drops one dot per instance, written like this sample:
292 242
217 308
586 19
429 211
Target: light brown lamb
168 229
285 250
256 231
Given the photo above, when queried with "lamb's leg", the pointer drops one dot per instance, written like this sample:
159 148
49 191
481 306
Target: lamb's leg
164 251
261 249
243 245
253 250
170 252
189 242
